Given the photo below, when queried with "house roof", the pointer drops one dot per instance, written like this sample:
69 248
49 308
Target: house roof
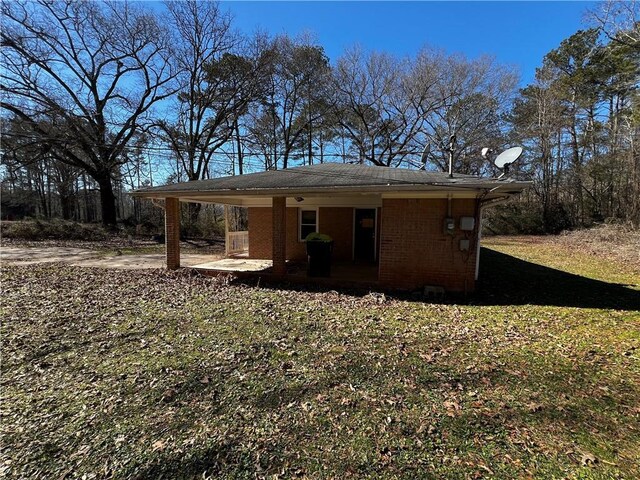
329 179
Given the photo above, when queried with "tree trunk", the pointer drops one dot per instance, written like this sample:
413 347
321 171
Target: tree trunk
107 200
239 147
86 198
577 173
66 205
194 213
66 196
49 200
310 146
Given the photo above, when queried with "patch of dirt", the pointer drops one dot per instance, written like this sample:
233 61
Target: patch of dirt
91 258
515 239
31 255
215 245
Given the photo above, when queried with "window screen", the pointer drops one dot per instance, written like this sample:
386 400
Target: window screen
308 223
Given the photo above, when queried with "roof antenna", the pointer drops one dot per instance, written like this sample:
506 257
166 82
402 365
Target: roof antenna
505 159
425 156
450 149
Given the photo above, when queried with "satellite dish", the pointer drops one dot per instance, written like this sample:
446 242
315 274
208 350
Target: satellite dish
486 151
507 157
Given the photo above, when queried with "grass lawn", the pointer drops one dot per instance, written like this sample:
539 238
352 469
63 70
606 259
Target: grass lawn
148 374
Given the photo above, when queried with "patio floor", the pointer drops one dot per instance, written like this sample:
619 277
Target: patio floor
341 272
236 264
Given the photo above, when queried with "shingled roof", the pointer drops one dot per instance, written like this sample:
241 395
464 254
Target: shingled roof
329 178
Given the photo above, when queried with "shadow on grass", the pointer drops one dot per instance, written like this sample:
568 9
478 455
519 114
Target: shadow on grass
567 407
507 280
211 462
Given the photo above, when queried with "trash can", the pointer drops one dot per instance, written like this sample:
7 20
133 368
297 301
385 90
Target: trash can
319 248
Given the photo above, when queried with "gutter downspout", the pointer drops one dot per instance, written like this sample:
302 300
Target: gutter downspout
482 204
477 274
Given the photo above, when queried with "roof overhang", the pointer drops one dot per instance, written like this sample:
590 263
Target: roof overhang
465 189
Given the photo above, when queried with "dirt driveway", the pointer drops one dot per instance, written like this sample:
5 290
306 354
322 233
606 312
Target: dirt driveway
90 258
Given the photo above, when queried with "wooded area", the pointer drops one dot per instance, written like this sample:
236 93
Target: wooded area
102 98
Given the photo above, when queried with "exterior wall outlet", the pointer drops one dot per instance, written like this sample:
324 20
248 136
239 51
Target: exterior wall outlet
464 245
467 223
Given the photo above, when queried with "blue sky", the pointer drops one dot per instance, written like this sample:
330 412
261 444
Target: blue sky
516 33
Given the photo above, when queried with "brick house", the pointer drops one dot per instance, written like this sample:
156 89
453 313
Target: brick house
411 228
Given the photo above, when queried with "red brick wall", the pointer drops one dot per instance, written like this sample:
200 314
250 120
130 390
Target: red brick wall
414 250
259 220
260 234
279 238
378 230
337 222
295 250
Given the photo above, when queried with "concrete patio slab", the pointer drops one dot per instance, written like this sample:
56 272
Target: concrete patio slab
31 255
91 258
236 265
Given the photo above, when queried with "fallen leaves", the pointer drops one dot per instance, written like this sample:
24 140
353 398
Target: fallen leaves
178 375
453 407
158 446
588 459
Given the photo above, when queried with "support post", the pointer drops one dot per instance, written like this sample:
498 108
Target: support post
226 230
478 238
279 232
172 232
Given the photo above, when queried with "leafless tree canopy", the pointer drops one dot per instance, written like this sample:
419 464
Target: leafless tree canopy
97 68
102 97
619 20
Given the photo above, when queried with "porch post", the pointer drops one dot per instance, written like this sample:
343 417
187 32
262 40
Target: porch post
279 232
172 232
478 238
226 230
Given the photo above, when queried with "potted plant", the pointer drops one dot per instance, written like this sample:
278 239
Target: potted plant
319 248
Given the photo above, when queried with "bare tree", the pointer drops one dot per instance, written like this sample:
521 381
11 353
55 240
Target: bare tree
50 178
195 127
619 20
99 67
382 102
471 97
538 120
197 123
297 78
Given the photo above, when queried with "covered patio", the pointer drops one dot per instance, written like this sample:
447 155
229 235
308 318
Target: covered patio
343 273
392 227
237 260
239 263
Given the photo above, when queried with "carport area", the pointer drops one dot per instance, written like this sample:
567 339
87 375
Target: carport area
235 264
399 228
342 273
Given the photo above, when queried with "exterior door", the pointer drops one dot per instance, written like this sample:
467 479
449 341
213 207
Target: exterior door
364 233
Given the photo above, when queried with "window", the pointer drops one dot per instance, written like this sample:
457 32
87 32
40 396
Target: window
308 223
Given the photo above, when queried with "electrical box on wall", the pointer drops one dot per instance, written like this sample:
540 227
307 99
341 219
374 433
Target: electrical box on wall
449 225
467 223
464 245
